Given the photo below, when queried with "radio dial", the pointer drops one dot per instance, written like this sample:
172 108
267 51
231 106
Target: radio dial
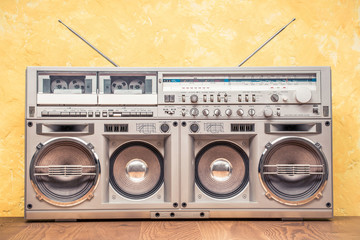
303 94
274 97
194 98
205 112
240 112
217 112
228 112
194 112
268 112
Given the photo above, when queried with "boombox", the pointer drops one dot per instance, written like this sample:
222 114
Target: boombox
171 143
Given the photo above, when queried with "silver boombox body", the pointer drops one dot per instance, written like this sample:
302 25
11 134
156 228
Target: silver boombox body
167 143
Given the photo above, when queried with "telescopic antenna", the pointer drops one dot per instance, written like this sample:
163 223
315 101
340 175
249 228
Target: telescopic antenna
98 51
266 42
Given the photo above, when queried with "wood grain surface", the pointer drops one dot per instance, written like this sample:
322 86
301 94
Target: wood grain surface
338 228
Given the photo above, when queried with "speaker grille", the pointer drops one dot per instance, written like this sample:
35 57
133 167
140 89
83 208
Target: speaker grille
293 170
64 171
136 170
221 169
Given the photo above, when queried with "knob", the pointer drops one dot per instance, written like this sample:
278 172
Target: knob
194 98
251 112
217 112
194 112
205 112
164 127
303 94
240 112
194 127
228 112
268 112
274 97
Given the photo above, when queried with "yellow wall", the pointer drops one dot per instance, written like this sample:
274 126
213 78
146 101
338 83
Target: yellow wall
181 33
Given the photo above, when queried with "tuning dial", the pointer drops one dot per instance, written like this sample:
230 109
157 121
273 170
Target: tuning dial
194 112
205 112
268 112
251 112
274 97
194 98
217 112
303 94
240 112
228 112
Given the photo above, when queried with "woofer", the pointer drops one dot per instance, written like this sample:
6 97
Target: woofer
221 169
64 171
136 170
293 170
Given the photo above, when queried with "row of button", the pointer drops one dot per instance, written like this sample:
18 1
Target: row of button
63 114
247 98
130 114
97 114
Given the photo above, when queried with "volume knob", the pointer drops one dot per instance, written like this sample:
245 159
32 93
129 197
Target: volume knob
217 112
194 98
205 112
228 112
268 112
194 112
240 112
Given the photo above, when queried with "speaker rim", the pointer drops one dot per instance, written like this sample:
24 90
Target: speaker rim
112 180
89 195
269 194
243 155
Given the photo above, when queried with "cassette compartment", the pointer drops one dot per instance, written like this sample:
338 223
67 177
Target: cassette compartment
127 88
64 88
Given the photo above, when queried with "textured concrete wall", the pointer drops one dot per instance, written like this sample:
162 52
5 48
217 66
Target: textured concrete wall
181 33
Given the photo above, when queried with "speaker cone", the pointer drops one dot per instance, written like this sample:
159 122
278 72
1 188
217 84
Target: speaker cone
221 169
64 171
136 170
293 170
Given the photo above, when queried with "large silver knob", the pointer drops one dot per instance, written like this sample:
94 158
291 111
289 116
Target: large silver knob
228 112
303 94
240 112
194 112
217 112
268 112
206 112
194 98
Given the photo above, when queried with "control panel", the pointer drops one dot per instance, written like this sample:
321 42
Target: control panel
179 93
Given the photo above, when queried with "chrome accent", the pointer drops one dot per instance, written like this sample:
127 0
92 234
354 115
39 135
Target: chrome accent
136 170
220 169
64 170
294 169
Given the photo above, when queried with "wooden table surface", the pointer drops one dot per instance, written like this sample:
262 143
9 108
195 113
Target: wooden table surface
337 228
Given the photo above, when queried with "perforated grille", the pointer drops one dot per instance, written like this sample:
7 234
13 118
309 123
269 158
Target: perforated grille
293 169
64 171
